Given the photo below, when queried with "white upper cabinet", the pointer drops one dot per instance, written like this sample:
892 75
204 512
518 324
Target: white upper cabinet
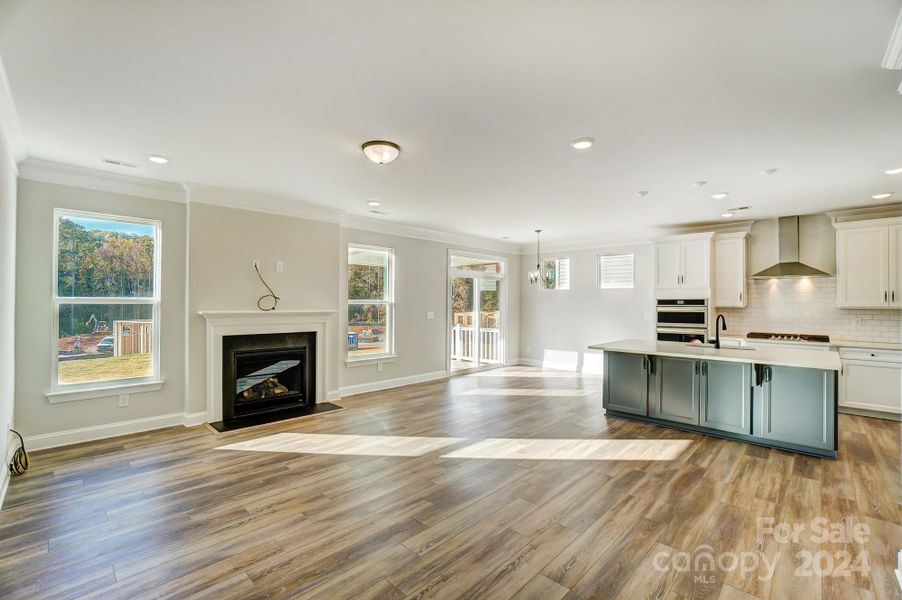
684 263
730 272
667 265
868 264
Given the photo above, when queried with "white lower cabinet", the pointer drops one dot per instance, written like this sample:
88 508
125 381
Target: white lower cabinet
871 380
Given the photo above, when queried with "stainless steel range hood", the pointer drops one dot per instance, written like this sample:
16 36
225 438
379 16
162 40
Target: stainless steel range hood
788 253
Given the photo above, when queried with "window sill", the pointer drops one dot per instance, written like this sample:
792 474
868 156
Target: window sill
371 360
104 391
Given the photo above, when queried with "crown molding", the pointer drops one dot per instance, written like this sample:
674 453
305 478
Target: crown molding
46 171
595 243
715 227
424 233
10 129
866 213
257 202
893 57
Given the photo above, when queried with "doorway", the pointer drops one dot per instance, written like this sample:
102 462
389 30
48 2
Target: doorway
475 312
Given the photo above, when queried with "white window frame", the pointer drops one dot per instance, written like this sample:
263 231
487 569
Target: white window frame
389 354
502 301
598 279
557 270
98 389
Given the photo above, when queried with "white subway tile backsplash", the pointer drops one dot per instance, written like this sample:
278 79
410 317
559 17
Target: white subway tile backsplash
808 305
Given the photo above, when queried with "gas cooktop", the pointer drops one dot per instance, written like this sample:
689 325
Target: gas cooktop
789 337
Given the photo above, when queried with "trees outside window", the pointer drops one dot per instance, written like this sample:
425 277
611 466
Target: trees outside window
370 302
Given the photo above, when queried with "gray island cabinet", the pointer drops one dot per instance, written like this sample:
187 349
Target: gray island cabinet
784 399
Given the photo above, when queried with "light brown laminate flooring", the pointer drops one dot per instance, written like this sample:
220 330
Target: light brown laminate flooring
508 483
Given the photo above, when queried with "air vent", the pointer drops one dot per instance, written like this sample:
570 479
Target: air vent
378 212
738 208
119 163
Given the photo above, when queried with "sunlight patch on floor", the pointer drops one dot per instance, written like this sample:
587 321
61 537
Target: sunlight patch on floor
525 392
347 445
529 449
492 448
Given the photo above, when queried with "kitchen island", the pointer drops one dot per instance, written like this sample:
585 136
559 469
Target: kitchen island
778 397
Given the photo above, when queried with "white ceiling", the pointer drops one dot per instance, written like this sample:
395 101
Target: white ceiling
483 97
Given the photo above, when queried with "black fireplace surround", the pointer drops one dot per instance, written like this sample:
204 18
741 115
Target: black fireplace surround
266 377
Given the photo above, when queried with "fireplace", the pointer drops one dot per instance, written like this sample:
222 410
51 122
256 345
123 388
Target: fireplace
269 376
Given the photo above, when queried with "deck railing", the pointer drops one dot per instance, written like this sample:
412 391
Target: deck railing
463 344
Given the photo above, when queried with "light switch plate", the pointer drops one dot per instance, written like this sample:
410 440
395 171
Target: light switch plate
280 266
123 399
380 367
430 315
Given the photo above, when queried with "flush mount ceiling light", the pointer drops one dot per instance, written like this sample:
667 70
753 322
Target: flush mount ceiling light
769 171
381 152
896 171
583 143
720 195
700 183
882 195
158 159
374 203
642 193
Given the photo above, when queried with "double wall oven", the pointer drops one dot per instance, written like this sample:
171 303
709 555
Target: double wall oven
682 320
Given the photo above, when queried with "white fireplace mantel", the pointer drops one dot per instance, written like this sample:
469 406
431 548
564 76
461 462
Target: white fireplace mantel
248 322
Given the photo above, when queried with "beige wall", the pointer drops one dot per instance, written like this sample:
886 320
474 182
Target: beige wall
557 326
421 285
7 298
34 414
224 242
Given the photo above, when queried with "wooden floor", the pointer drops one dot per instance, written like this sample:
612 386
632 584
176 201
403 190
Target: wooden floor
448 490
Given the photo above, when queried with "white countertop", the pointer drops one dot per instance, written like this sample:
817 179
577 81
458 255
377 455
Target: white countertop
769 355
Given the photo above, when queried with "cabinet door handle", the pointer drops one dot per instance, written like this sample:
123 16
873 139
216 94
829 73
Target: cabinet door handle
704 368
696 367
894 295
740 297
884 295
768 374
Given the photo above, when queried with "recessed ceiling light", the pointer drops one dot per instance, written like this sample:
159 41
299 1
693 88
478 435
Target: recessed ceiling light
882 196
157 159
896 171
720 195
727 215
381 152
374 203
700 183
769 171
642 193
583 143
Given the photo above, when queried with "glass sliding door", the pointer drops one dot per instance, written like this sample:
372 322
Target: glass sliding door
475 289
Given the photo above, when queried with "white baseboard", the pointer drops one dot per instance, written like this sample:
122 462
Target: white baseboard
4 471
43 441
333 395
198 418
529 362
385 384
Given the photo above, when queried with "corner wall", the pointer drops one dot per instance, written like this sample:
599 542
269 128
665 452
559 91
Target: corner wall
557 326
7 302
421 286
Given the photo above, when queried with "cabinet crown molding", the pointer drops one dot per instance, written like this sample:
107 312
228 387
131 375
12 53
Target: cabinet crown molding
867 223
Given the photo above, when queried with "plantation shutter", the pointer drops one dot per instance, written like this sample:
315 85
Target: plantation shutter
563 274
615 271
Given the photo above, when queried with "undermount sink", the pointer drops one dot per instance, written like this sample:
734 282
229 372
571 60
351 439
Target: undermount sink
722 346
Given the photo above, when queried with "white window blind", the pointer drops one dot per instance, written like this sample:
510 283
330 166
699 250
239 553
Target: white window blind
615 271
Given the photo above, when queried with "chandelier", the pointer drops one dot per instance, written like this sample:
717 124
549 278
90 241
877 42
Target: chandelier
539 273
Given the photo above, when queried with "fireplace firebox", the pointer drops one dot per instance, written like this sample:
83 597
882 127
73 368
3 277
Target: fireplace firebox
268 376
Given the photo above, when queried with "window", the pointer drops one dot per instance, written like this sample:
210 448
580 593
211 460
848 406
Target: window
615 271
370 302
106 300
558 274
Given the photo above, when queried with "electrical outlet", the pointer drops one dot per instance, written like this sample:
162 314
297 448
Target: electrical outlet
280 266
856 321
380 367
430 315
123 399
